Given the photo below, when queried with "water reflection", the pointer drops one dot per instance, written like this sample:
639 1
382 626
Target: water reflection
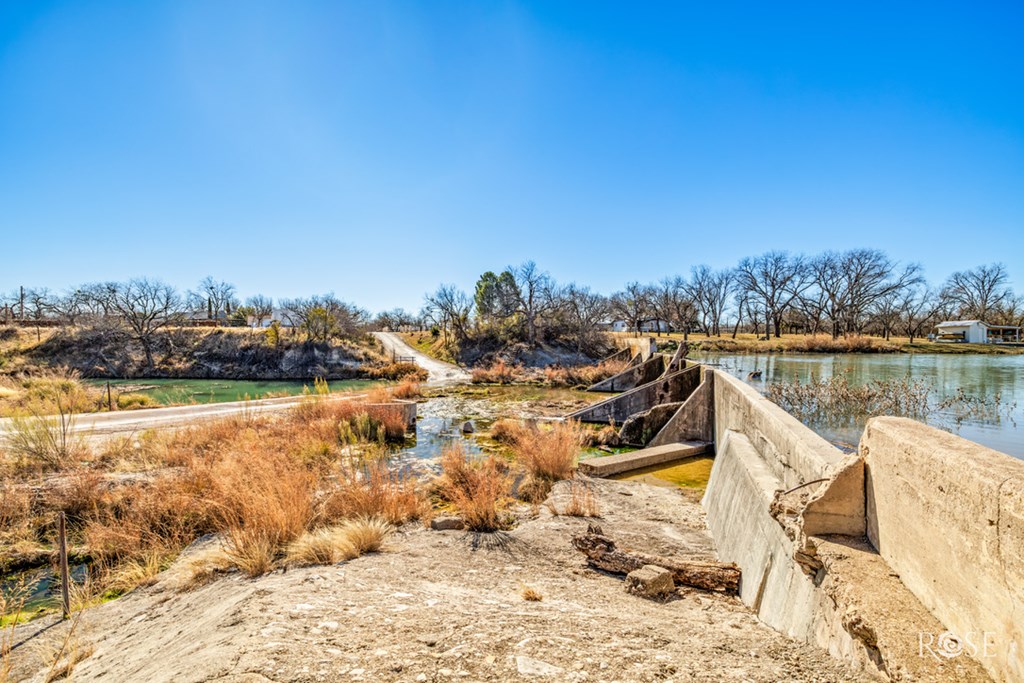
977 375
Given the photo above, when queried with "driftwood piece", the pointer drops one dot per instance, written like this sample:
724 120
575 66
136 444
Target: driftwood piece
602 553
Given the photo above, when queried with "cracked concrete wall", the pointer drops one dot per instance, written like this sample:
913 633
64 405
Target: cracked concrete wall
948 515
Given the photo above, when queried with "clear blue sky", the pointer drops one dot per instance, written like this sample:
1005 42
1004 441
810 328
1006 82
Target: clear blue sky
378 148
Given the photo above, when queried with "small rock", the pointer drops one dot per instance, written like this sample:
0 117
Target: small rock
528 666
467 427
428 639
650 582
447 523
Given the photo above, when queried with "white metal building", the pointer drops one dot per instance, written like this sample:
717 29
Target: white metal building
976 332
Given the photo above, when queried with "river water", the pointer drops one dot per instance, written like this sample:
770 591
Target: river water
982 376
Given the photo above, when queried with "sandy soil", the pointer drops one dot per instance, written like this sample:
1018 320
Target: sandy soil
445 605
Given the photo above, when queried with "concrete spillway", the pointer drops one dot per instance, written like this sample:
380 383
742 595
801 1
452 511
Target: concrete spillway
872 556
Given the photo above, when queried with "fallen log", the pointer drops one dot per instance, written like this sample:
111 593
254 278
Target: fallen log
602 553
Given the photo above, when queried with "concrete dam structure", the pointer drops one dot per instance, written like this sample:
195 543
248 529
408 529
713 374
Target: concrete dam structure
905 558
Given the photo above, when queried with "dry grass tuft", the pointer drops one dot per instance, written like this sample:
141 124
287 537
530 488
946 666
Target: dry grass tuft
480 490
262 502
366 534
530 594
548 454
331 545
582 501
328 545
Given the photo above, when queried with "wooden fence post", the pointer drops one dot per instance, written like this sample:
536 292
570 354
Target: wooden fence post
65 574
110 399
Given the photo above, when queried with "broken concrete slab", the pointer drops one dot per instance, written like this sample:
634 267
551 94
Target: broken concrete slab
639 429
608 465
650 581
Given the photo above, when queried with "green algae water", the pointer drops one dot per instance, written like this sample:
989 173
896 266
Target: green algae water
186 391
692 473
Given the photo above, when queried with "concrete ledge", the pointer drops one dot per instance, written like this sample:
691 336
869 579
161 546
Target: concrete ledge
947 514
407 409
794 453
624 462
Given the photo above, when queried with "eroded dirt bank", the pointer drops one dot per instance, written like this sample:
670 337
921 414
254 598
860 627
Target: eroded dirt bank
446 605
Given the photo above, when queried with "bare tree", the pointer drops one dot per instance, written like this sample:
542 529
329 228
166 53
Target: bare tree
260 308
70 307
855 283
145 307
672 301
533 296
709 291
325 317
774 280
633 305
583 310
217 297
918 306
449 308
977 292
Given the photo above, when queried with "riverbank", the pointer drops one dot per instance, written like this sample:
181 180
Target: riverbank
222 353
447 605
825 344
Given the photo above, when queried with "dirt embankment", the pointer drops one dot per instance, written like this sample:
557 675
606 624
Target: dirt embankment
199 353
446 605
485 350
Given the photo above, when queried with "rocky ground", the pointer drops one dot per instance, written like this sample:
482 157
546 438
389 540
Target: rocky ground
439 606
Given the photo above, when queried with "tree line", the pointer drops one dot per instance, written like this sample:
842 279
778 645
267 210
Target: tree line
143 308
853 292
840 293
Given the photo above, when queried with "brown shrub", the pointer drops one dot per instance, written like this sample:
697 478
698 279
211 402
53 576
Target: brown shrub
497 373
406 389
506 430
398 371
79 494
479 490
583 375
547 455
15 513
375 491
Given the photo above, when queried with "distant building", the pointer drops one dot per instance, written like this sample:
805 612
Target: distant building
976 332
646 326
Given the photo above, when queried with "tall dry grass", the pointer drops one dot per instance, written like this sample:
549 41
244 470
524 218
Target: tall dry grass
546 453
583 375
479 489
376 491
498 372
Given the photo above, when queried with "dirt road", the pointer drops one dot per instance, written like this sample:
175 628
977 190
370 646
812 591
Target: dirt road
440 372
122 422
